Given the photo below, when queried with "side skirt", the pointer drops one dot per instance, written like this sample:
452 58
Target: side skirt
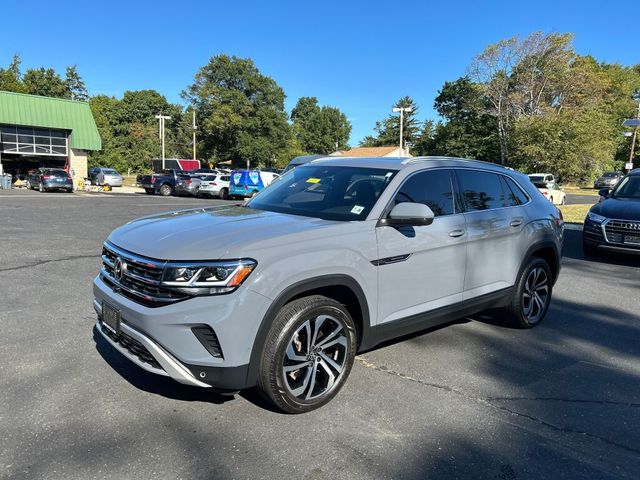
439 316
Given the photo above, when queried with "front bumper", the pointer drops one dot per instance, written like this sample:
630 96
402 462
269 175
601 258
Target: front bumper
595 234
166 334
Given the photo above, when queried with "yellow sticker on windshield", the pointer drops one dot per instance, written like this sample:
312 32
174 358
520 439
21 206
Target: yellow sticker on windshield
313 180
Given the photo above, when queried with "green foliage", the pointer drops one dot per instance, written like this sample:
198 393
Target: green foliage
240 112
129 130
75 85
43 81
319 129
388 130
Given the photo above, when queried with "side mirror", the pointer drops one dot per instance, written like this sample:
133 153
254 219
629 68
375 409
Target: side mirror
604 192
409 213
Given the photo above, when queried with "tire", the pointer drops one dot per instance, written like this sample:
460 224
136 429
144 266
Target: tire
588 249
224 194
526 310
323 365
564 200
149 191
254 193
166 190
41 188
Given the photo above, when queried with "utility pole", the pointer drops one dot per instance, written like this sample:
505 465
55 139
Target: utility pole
161 118
635 124
402 110
194 134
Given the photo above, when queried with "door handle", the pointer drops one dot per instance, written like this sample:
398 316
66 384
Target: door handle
456 233
516 223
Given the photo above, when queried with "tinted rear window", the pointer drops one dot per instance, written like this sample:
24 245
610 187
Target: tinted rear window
481 190
433 188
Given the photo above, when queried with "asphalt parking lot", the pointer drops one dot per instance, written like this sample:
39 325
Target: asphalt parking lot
470 400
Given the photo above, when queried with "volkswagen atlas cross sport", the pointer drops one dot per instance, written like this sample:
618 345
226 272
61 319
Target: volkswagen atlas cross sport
333 258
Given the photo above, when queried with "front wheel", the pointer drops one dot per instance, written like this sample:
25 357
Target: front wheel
588 249
149 191
308 354
166 190
531 296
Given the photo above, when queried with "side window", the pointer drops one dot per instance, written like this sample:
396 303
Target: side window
433 188
515 195
481 190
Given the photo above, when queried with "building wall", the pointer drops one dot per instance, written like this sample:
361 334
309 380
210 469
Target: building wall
78 163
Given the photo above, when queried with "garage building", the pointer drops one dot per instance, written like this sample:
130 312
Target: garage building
45 132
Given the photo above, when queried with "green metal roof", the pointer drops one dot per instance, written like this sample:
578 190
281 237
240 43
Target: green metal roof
36 111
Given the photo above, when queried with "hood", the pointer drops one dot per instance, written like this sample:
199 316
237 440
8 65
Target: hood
208 233
621 208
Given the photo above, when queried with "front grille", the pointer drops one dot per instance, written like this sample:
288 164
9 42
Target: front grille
132 346
615 230
140 277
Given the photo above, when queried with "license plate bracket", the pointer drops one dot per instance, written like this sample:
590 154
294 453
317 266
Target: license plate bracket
111 318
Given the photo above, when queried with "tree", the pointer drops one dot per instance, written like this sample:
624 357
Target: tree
240 112
388 130
75 85
319 129
11 77
45 82
129 130
469 132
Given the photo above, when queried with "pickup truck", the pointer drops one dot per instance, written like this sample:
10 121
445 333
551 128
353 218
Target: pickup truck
164 182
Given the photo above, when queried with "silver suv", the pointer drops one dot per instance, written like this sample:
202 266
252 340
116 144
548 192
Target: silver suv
335 257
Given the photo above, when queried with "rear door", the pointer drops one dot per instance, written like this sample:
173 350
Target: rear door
495 221
422 268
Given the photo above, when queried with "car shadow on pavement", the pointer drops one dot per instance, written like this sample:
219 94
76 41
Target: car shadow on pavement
152 383
573 250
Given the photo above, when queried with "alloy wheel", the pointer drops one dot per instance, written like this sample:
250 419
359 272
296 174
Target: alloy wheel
535 295
315 357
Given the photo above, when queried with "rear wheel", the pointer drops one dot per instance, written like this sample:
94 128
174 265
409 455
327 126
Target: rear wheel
224 194
531 296
166 190
308 354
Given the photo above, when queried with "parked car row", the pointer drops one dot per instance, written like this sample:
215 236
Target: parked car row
206 182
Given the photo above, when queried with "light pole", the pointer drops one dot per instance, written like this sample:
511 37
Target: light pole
402 110
161 118
194 134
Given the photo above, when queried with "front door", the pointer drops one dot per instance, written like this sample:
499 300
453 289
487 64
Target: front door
422 268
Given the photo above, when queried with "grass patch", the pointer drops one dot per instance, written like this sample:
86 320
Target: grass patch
574 213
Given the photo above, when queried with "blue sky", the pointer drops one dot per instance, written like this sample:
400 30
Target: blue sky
358 56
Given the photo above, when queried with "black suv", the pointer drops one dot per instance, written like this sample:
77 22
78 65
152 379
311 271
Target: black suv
614 222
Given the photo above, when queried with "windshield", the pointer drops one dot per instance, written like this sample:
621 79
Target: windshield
536 178
610 174
629 187
110 171
330 193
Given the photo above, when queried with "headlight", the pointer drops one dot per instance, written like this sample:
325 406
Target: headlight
594 217
207 278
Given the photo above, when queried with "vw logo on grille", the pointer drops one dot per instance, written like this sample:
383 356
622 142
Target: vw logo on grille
631 226
119 266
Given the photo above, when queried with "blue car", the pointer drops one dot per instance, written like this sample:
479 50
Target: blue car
246 183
